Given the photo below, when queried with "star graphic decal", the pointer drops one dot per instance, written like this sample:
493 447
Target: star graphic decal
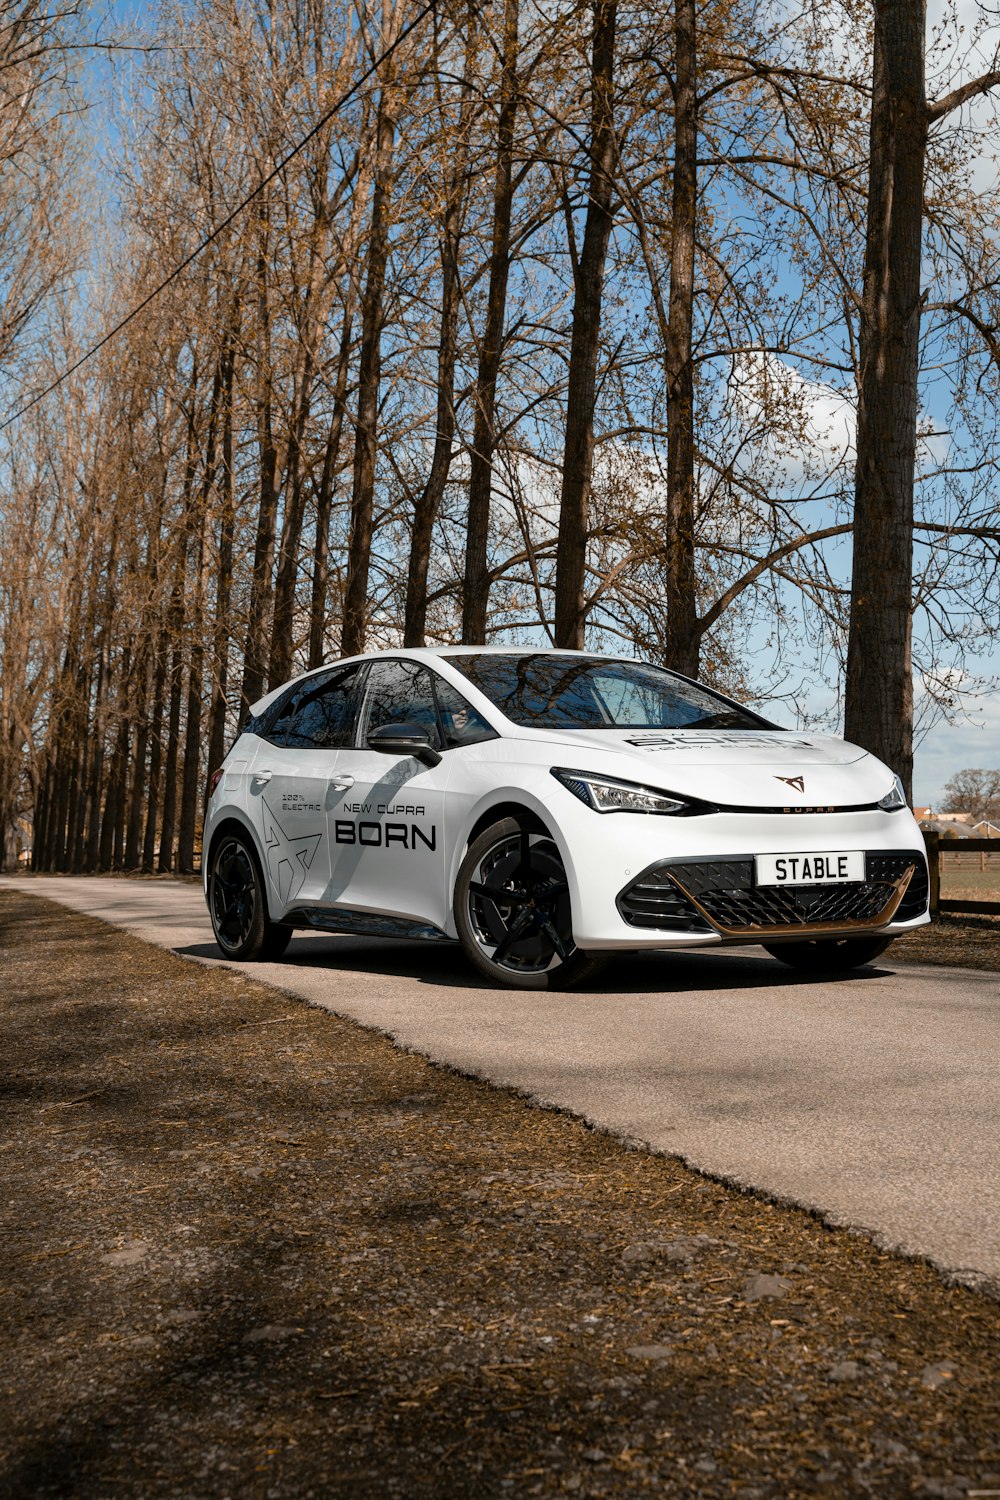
288 858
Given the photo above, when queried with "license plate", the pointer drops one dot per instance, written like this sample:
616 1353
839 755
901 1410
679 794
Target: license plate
810 869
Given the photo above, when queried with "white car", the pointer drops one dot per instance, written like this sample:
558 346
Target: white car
546 809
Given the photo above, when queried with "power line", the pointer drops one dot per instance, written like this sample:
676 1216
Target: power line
224 223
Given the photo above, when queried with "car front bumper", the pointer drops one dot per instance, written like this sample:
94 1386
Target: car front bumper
696 876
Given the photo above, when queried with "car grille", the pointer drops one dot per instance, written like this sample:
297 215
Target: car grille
725 891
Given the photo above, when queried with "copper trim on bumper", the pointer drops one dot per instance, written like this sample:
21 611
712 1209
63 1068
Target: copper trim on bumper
806 929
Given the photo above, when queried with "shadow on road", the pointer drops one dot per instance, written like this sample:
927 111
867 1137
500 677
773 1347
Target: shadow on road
444 965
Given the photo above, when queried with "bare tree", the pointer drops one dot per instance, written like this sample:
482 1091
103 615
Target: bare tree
878 705
352 636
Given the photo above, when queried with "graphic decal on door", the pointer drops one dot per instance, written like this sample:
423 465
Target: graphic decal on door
288 858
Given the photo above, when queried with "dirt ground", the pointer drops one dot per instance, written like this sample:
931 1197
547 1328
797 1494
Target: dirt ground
963 942
253 1250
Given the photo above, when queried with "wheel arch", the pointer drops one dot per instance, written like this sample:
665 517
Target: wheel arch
231 824
498 812
509 803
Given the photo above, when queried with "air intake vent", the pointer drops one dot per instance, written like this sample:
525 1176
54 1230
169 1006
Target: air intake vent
655 901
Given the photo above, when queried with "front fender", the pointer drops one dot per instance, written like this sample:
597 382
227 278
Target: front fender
535 794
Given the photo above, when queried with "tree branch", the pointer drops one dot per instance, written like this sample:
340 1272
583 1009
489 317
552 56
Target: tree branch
938 108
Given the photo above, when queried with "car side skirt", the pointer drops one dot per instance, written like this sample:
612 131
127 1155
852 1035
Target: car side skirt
362 924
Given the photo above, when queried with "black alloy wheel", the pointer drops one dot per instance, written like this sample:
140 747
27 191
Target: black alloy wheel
238 905
829 955
512 910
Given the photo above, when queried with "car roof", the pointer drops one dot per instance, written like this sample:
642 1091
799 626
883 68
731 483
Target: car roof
482 651
420 653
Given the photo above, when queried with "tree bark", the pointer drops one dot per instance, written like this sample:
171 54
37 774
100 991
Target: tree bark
878 710
428 503
683 640
262 584
308 337
191 770
114 800
578 456
42 819
324 497
155 757
475 601
133 827
224 581
352 637
165 858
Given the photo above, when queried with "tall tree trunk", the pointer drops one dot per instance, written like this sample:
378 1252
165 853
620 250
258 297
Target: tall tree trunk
65 766
191 770
165 858
224 579
352 638
475 599
155 756
324 496
83 746
262 584
133 828
581 395
878 710
309 334
683 640
429 501
282 643
114 800
42 819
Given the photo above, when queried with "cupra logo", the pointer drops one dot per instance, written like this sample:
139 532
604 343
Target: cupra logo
797 783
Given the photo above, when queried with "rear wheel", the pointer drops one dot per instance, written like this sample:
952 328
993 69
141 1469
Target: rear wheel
512 911
829 955
238 905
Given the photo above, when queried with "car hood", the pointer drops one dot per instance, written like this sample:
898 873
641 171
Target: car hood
738 768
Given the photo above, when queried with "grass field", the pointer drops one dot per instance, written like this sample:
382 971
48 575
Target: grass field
976 885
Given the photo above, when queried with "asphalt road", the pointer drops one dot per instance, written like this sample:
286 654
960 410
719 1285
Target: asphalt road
872 1099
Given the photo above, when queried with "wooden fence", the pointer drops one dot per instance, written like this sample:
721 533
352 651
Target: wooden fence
971 855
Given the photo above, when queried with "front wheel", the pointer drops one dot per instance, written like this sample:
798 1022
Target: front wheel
829 955
238 905
512 911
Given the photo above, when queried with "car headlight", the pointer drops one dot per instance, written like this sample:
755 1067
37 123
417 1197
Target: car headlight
895 800
605 794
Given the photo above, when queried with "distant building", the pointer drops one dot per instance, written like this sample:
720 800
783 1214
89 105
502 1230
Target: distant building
948 827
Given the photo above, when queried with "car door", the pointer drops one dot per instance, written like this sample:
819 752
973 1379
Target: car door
387 827
293 779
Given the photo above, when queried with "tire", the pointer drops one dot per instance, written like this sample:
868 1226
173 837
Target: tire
513 877
829 955
238 905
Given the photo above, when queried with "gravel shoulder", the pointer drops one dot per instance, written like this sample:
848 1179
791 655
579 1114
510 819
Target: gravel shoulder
253 1249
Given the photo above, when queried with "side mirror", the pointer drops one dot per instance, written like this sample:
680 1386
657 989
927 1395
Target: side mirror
404 739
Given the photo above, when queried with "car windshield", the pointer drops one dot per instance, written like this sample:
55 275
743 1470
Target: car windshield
551 691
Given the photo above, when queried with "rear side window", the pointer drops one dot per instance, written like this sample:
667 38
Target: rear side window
320 713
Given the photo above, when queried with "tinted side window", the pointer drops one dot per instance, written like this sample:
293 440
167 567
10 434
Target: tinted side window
320 713
400 692
460 722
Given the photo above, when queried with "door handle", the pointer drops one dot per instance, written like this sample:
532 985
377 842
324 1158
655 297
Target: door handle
342 783
262 776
